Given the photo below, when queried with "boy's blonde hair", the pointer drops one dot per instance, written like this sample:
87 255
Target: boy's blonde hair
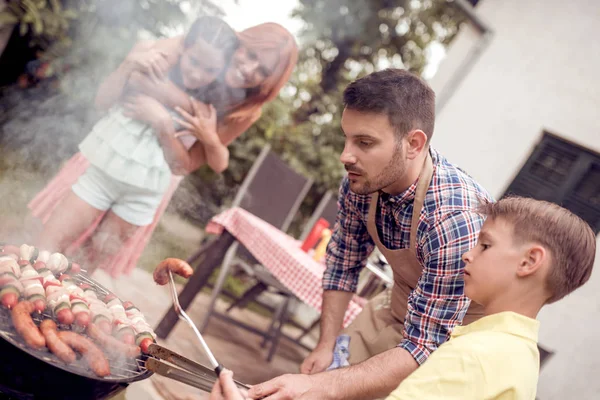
569 239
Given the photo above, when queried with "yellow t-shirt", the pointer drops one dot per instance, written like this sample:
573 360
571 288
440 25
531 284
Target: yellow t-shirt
495 357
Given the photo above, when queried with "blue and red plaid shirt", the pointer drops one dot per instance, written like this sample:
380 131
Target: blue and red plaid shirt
448 227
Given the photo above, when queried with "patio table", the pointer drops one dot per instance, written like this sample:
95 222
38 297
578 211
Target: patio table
275 250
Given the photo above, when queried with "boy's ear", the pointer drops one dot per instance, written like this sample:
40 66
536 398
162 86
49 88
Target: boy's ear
532 261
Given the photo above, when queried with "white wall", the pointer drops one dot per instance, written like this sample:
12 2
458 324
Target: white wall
541 71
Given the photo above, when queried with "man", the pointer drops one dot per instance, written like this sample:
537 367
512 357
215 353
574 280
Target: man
420 211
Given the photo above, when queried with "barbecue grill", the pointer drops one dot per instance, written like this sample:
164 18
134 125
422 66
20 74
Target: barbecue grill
26 373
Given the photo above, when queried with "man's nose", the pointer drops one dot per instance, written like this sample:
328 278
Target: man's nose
347 158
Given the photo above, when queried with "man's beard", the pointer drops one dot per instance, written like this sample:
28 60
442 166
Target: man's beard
393 171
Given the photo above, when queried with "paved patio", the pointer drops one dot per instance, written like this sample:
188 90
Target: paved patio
235 348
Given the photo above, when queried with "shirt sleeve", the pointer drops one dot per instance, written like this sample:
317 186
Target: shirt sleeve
449 374
349 247
438 303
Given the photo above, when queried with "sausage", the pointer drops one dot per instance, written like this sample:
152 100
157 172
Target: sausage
112 344
10 249
174 265
21 318
90 352
56 346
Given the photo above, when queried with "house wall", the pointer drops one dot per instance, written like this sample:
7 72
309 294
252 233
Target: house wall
540 71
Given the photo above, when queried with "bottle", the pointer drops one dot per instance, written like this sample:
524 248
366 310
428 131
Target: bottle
315 234
322 247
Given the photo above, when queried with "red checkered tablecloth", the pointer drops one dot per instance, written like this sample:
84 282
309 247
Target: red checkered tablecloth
281 255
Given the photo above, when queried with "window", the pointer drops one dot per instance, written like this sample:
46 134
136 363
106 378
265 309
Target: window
564 173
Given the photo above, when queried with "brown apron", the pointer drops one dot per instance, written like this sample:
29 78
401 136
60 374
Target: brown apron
380 324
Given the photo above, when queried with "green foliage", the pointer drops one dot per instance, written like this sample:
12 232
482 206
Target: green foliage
46 21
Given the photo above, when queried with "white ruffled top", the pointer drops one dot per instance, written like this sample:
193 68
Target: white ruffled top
128 151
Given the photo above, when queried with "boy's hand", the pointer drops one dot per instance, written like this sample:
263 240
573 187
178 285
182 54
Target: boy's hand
225 388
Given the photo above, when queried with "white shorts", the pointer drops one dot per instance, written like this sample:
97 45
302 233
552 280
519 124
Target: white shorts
131 203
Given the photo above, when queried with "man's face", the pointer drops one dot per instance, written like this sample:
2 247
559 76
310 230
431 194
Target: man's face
372 155
491 266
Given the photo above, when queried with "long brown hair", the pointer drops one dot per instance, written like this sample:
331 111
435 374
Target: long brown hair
260 38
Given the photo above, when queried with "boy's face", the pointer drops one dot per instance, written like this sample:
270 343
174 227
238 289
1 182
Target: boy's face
491 266
200 64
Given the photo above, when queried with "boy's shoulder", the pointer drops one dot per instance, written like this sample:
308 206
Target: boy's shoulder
498 351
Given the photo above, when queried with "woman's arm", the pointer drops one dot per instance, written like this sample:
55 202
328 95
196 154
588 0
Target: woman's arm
145 59
165 91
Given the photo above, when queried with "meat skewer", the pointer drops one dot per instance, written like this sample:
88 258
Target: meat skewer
79 306
10 286
144 335
33 287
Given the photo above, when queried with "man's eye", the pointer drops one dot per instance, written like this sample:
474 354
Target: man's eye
365 144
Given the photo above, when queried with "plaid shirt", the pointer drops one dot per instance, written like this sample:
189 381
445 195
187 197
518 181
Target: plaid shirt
448 227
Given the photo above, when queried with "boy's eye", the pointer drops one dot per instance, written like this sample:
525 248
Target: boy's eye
485 246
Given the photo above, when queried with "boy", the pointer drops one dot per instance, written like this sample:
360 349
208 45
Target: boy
529 253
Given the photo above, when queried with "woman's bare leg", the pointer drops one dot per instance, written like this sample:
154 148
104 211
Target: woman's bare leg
67 222
108 239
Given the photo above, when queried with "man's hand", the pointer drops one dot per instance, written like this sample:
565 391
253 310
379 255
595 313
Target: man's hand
225 388
288 387
318 361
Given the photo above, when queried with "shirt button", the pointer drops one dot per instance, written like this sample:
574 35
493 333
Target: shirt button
404 205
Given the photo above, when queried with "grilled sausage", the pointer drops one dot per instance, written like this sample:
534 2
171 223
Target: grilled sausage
90 352
112 344
10 249
21 318
174 265
56 346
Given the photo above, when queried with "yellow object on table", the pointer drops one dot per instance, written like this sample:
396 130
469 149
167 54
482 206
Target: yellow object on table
322 246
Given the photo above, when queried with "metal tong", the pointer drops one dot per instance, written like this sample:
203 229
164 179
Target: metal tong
171 365
179 310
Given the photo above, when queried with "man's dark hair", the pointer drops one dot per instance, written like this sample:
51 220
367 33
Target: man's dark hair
406 99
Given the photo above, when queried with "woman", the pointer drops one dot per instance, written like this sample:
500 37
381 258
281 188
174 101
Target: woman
258 70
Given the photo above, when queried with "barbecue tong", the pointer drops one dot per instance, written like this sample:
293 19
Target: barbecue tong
174 366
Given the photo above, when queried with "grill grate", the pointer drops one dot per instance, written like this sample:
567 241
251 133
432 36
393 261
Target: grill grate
121 368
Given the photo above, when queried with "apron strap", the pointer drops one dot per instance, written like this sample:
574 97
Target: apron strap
420 192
